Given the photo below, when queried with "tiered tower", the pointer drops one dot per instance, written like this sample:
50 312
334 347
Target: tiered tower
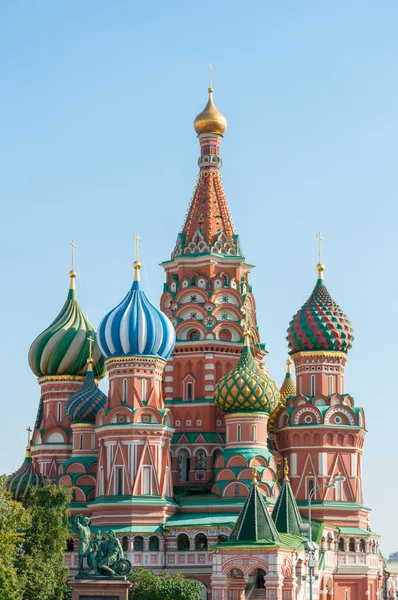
58 357
321 432
209 300
134 429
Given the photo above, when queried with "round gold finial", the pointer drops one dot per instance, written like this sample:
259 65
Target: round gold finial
320 268
72 274
285 470
210 120
288 366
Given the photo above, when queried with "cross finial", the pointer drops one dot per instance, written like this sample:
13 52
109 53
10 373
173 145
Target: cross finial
72 273
28 429
320 240
137 264
90 349
74 247
320 268
211 76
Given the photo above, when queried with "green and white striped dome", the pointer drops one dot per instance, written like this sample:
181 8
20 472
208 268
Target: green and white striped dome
63 348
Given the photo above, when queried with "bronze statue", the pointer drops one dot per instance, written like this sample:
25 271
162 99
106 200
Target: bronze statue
108 561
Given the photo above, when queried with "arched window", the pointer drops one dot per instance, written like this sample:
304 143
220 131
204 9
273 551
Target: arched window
254 433
362 546
200 542
193 280
236 491
184 465
222 538
189 392
59 412
312 385
310 487
194 335
153 544
124 390
182 542
138 544
331 384
351 545
143 390
93 441
238 433
341 545
119 481
125 543
225 335
81 441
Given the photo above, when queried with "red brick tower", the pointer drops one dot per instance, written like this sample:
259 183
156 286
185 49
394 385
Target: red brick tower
208 298
320 431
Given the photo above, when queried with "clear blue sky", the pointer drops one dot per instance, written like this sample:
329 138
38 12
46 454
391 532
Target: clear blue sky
97 101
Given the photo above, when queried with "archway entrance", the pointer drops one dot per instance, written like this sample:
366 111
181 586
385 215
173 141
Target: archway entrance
256 579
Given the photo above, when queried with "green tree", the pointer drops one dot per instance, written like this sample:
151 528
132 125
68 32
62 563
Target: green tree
42 564
148 586
14 518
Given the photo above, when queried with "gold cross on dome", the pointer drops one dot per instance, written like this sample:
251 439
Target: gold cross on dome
74 247
137 241
91 344
28 429
211 75
320 240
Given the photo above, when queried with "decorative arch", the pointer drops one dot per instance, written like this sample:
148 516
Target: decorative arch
346 414
298 416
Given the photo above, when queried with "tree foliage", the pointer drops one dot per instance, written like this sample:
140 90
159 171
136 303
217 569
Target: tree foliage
14 518
42 565
148 586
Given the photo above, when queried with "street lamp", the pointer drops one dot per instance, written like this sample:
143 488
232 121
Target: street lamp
305 528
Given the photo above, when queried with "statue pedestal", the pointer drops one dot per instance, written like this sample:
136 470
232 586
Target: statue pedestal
100 588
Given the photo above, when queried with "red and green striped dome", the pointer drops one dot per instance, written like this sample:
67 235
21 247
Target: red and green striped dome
320 324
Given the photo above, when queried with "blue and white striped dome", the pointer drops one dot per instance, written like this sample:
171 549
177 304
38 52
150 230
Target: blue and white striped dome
136 328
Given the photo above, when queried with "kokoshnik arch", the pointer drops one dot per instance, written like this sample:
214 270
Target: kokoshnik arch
183 457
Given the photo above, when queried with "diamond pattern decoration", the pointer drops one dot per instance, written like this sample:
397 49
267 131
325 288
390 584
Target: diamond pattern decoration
320 324
246 388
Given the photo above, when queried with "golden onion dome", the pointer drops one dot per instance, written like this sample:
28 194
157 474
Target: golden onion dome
246 388
288 387
210 120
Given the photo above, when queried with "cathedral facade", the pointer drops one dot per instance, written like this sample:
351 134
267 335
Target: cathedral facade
197 460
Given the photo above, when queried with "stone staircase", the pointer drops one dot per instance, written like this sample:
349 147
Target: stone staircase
258 595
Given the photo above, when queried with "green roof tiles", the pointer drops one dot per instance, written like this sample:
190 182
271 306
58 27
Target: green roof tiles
285 513
202 520
254 522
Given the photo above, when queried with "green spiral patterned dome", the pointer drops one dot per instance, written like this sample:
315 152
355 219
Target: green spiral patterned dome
63 348
246 388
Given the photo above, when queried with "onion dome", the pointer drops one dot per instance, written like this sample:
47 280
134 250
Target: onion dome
136 327
246 388
288 387
210 120
83 405
23 480
320 324
63 348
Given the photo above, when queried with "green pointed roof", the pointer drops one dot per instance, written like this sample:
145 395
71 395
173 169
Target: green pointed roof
254 523
285 514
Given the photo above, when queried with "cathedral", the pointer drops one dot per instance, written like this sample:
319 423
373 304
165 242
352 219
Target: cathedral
197 460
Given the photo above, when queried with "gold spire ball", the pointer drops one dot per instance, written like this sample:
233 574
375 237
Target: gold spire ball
210 120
